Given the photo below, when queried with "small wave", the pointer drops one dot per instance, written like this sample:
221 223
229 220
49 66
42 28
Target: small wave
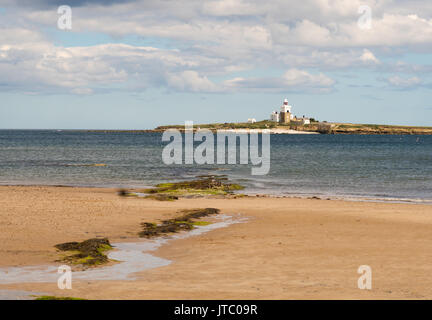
395 200
306 195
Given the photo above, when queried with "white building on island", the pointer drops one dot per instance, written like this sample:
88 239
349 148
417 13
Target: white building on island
274 116
305 120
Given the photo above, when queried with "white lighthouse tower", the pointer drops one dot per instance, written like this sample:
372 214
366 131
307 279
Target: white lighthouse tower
285 107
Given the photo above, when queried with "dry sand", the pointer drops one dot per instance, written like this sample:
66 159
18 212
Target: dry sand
271 131
289 248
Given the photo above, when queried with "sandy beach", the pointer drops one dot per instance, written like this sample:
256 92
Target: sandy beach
289 248
270 131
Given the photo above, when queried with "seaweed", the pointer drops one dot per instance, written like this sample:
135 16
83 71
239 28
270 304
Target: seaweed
204 185
57 298
162 197
184 222
207 184
89 252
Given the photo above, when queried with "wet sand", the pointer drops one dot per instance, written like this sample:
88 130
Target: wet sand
289 248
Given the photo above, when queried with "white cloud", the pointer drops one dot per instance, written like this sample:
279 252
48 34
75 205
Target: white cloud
369 57
191 81
404 83
82 91
80 70
390 30
327 59
295 77
293 80
256 24
229 8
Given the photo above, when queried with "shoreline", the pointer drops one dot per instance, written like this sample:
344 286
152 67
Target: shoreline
316 196
289 247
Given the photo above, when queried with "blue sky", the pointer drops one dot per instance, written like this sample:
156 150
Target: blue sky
139 64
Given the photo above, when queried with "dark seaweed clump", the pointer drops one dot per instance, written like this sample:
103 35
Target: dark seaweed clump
208 184
162 197
90 252
57 298
181 223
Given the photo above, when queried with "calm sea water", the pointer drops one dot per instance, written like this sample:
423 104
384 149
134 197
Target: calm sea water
397 168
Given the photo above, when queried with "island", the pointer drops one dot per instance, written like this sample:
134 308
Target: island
312 127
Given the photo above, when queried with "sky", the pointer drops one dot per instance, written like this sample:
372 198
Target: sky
137 64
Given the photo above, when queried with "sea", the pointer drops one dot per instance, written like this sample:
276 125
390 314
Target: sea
396 168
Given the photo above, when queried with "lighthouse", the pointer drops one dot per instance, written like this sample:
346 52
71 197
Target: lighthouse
284 116
285 113
285 107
